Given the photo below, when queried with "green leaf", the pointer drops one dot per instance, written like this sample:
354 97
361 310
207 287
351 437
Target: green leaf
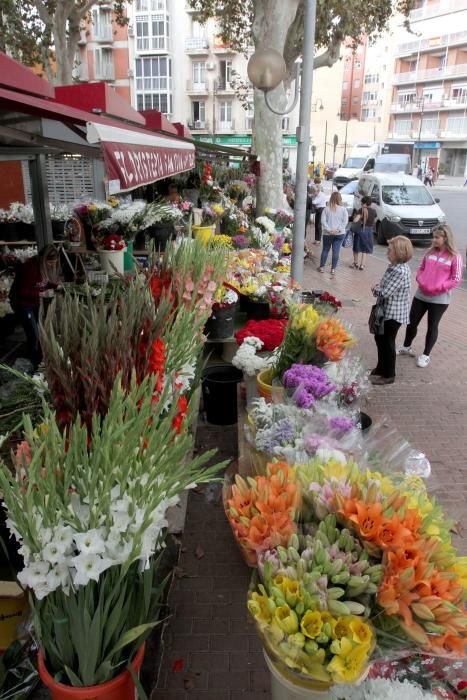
74 680
132 635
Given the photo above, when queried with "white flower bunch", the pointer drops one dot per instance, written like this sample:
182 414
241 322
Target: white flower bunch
382 689
60 212
247 360
266 224
22 212
25 253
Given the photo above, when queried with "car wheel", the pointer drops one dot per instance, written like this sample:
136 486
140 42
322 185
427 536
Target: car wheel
379 235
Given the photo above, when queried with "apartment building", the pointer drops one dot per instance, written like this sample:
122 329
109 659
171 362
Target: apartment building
353 80
164 59
429 100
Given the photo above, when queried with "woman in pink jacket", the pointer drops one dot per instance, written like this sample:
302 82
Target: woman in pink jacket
439 272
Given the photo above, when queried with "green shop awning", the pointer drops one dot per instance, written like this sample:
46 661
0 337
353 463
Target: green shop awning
238 139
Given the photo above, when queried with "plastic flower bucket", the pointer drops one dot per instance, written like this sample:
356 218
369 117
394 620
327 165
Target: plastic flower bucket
264 384
286 688
220 324
220 393
203 233
112 262
128 257
121 687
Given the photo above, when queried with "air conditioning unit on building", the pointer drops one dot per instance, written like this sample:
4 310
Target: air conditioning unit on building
210 65
131 72
131 31
198 125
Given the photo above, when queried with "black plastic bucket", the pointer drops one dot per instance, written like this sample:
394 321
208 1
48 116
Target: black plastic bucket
365 422
220 393
220 324
160 236
257 310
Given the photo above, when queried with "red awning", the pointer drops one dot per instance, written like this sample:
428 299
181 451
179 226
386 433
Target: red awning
135 158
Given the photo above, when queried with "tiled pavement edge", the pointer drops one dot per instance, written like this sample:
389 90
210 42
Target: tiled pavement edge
211 651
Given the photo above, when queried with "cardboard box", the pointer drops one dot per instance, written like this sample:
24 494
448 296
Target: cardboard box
13 611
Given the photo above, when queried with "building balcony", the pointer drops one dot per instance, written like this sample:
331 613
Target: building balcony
197 45
444 104
440 8
404 136
105 73
432 43
453 135
435 74
103 34
223 127
224 88
199 125
196 88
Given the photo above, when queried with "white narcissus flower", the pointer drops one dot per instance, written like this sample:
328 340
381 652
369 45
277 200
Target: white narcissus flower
90 542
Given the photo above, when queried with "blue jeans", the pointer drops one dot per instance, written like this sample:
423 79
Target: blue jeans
334 242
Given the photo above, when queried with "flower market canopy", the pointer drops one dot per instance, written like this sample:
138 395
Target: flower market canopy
134 158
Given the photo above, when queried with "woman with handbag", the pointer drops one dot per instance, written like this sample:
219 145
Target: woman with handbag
334 220
363 230
393 296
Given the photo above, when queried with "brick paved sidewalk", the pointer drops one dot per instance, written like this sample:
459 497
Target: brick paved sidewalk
211 651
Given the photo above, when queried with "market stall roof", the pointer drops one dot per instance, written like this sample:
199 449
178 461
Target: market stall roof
210 149
133 155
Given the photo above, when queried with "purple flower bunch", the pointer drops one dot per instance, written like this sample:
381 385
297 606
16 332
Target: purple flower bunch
282 435
240 241
311 383
279 242
340 424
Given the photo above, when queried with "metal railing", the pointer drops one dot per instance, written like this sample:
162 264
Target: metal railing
202 88
432 43
226 126
199 125
439 9
418 76
445 103
196 43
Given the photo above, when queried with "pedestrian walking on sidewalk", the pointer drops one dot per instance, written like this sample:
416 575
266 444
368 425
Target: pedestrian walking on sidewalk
439 272
334 220
319 202
393 292
363 238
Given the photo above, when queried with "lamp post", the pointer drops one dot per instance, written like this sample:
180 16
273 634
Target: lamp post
314 107
266 70
421 105
339 114
325 142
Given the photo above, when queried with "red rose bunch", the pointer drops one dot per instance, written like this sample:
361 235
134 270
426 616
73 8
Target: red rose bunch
113 242
330 299
270 331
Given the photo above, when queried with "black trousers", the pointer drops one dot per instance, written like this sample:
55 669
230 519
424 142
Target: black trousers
318 230
417 311
29 318
386 345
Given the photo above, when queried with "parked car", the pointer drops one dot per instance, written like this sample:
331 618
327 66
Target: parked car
347 193
403 204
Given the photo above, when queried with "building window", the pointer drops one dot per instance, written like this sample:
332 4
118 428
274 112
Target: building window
225 115
430 125
102 24
405 97
285 123
457 125
152 32
104 64
403 127
199 74
225 74
356 83
433 93
150 5
371 78
198 114
355 100
345 85
344 101
358 65
154 84
459 93
370 96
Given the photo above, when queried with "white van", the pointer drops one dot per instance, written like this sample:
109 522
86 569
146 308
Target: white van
393 163
403 204
361 160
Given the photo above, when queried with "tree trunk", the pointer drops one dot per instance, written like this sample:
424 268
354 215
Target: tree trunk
271 23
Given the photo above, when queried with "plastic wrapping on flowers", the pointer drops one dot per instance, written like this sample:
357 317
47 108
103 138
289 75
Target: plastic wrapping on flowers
262 509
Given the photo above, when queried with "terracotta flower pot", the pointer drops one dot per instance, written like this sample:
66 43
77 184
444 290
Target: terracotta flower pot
121 687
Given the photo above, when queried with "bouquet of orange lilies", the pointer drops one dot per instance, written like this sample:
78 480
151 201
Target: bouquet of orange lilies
262 510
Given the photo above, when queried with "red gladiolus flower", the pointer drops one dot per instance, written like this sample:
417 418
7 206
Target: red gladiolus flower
182 411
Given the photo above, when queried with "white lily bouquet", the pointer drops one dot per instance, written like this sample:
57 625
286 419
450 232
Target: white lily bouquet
89 510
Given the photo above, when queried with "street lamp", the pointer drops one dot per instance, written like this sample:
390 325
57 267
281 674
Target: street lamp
339 114
314 107
266 70
421 106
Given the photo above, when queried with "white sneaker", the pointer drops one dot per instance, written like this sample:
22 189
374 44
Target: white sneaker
402 350
423 361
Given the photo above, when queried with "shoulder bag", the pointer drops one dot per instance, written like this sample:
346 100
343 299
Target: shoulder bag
376 320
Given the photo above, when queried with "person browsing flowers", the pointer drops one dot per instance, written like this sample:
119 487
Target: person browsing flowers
439 272
394 292
334 219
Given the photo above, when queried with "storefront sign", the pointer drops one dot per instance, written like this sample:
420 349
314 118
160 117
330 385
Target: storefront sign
432 145
240 139
134 158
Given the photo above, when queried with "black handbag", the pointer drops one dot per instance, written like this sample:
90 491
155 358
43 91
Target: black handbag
376 320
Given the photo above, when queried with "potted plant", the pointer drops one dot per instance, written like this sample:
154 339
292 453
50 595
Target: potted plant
220 324
59 213
89 510
111 249
91 214
158 220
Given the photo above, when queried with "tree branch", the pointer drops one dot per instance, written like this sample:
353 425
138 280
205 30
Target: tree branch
329 57
44 14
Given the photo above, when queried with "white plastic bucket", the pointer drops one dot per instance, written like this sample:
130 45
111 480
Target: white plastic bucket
112 262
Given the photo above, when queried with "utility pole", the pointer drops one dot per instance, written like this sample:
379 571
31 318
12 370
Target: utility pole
325 142
345 142
421 103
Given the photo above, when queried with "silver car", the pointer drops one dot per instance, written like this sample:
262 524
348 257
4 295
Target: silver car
347 193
